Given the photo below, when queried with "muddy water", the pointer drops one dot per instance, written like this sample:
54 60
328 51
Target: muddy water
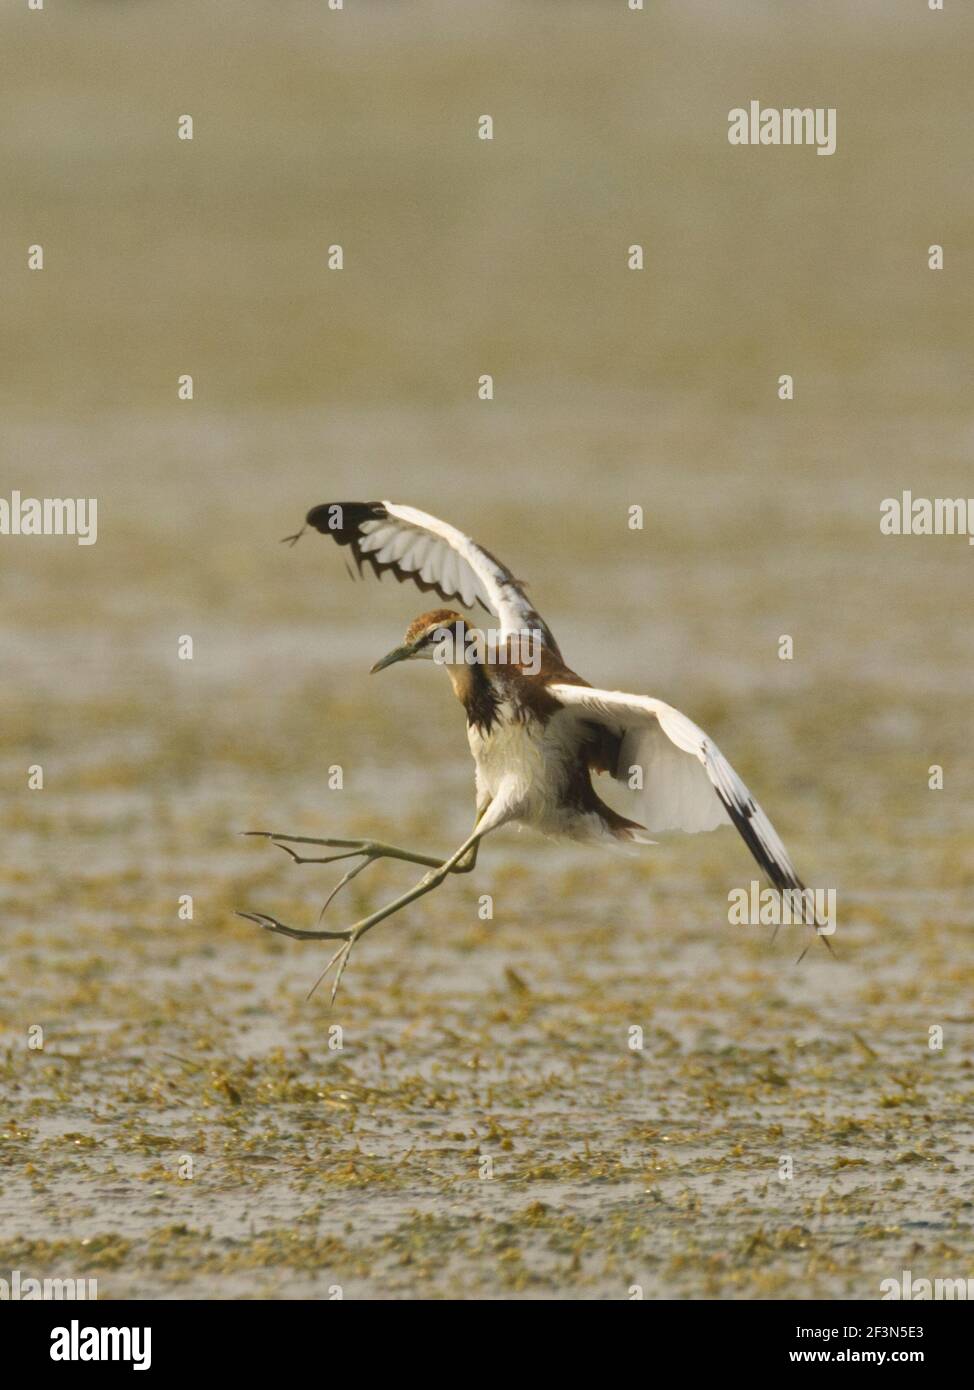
360 1158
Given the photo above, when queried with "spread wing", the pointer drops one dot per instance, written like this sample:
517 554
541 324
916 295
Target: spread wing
688 784
434 555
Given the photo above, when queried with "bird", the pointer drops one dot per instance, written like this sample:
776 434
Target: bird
538 732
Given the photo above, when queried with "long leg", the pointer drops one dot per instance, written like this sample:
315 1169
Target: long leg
462 861
374 849
426 884
370 851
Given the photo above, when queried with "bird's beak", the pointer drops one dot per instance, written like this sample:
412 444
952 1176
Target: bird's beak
399 654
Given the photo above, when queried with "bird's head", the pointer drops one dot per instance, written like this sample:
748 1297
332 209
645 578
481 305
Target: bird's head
439 635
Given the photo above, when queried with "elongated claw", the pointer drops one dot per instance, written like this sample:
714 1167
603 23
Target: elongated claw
350 848
308 839
369 850
341 957
347 938
273 925
345 878
460 862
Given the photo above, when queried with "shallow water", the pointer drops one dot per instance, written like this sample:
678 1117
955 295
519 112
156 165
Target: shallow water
464 1039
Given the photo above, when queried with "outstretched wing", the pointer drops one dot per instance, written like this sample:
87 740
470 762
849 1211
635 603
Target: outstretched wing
434 555
682 770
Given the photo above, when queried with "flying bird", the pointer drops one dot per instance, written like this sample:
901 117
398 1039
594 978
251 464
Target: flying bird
537 731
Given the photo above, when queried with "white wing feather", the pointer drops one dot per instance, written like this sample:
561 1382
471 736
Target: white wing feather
435 555
682 770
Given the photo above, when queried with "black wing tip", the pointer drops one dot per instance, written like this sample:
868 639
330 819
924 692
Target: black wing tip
783 880
741 813
342 520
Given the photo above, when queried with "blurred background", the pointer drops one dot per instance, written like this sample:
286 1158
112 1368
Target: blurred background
612 388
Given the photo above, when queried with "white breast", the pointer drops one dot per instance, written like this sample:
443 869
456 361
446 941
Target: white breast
511 754
528 763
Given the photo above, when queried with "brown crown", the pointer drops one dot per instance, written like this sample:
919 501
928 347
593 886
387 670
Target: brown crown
445 617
